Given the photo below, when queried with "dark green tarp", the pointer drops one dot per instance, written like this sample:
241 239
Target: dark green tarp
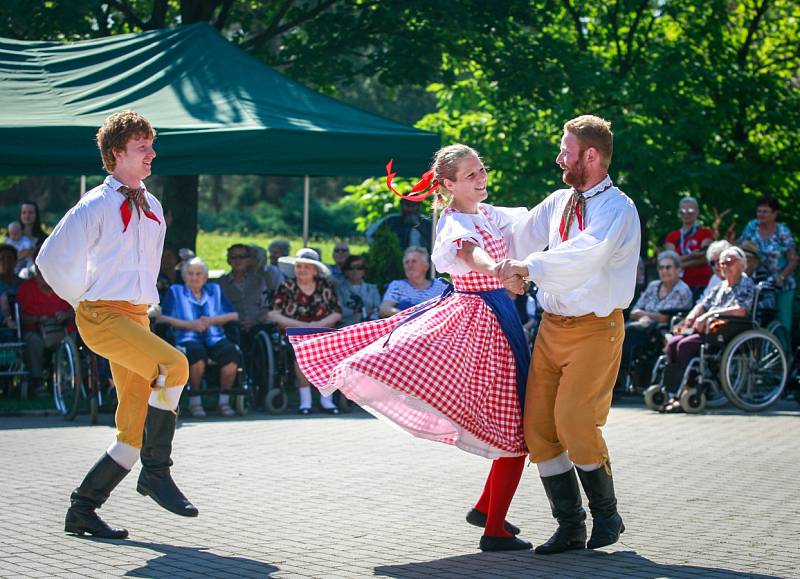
216 110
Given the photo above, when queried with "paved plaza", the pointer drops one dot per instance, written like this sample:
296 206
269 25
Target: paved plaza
714 495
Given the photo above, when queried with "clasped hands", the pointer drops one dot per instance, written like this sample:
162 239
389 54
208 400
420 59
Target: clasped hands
513 274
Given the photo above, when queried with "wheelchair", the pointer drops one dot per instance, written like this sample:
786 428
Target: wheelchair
78 374
272 368
243 393
13 375
743 362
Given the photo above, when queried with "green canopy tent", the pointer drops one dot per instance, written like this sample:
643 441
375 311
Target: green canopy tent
216 109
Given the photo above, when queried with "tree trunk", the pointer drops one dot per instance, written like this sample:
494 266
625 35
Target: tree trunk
180 209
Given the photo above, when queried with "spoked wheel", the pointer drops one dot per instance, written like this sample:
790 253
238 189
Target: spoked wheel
67 382
93 383
262 366
655 397
779 331
692 401
754 370
715 397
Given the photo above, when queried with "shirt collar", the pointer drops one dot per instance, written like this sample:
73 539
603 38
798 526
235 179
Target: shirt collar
599 188
114 183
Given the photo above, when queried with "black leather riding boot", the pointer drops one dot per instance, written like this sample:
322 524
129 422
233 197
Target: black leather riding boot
154 479
565 503
607 524
97 485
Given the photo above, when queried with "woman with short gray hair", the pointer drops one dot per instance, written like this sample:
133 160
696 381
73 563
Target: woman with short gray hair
668 292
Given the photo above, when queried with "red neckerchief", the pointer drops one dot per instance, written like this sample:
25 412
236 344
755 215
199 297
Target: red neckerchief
134 198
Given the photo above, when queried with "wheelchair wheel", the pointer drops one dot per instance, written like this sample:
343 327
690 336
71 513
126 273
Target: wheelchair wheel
241 404
779 331
753 370
276 401
67 382
264 373
715 397
655 397
94 409
692 401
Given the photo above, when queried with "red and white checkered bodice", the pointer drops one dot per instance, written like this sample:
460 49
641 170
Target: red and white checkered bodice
478 282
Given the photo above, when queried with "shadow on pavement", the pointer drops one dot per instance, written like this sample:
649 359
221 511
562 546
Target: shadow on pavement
196 562
574 564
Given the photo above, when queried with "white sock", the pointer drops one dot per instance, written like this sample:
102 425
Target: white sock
589 467
123 454
554 466
173 398
224 399
305 397
327 401
195 401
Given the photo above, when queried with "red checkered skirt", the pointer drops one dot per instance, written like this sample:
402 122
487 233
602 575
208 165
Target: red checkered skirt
447 375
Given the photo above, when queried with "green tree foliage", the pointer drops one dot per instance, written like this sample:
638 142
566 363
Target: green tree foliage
385 258
704 95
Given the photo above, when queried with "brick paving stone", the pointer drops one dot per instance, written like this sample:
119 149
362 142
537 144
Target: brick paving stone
713 495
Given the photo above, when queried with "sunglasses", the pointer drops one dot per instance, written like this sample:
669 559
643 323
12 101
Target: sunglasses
341 250
712 262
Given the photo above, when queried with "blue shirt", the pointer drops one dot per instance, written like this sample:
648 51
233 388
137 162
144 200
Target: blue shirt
180 303
405 295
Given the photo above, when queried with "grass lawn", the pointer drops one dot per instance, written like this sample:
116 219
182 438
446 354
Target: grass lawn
213 247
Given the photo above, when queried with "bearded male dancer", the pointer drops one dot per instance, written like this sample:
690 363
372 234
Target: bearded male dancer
585 279
103 258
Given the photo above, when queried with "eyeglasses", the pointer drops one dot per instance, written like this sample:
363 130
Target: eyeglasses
238 256
727 262
712 262
660 267
341 250
687 210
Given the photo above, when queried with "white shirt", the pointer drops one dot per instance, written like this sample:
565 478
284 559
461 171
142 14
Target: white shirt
88 257
594 271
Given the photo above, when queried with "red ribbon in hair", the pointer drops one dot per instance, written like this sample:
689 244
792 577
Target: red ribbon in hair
426 186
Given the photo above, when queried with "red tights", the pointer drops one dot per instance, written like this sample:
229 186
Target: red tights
501 484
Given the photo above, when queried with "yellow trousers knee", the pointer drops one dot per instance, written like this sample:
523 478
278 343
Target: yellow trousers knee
120 332
570 384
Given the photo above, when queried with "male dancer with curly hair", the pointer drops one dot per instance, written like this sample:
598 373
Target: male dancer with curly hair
103 258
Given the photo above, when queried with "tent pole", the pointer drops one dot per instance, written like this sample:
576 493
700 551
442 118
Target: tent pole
83 185
433 239
306 201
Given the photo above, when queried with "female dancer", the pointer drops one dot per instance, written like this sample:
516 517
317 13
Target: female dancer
452 369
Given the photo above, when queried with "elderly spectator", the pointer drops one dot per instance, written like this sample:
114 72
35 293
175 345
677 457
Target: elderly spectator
415 288
25 246
46 319
653 308
732 297
690 242
341 251
411 228
245 290
197 311
273 275
776 248
9 282
712 256
309 300
360 301
31 222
